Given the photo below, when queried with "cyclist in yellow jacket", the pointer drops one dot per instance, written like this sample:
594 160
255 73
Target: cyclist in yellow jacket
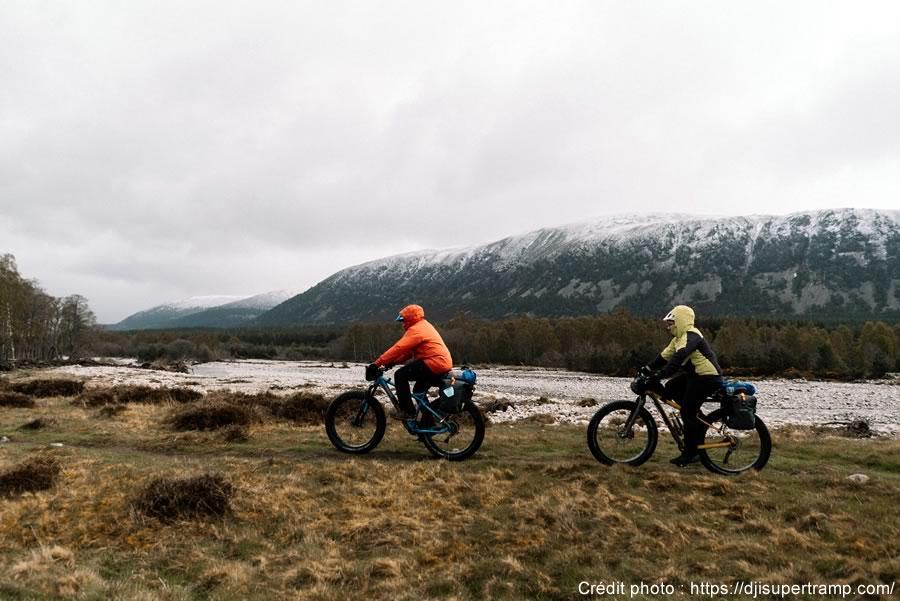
692 362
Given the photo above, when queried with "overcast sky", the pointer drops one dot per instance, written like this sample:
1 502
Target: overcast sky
151 151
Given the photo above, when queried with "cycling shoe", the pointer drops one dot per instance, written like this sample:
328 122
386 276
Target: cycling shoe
685 459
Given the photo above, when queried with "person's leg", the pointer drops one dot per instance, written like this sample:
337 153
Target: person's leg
414 370
696 391
674 388
690 405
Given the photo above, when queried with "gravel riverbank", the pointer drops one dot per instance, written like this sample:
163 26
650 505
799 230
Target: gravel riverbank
530 391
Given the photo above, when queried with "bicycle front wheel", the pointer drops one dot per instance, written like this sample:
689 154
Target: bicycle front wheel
736 451
355 422
464 437
610 443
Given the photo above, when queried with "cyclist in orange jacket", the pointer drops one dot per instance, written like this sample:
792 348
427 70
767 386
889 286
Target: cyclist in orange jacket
426 355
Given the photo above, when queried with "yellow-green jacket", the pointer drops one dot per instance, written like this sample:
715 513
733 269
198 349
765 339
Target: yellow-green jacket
688 351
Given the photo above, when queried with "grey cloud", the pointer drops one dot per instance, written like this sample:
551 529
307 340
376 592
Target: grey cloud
158 150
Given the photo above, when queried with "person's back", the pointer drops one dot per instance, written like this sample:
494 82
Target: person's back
424 349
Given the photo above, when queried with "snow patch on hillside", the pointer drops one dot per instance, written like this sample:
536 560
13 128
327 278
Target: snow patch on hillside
200 302
678 229
266 300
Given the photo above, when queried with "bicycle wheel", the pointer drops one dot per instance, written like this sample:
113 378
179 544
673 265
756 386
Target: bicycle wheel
464 438
609 443
746 449
355 422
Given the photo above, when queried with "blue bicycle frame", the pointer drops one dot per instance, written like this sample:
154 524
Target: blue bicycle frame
387 385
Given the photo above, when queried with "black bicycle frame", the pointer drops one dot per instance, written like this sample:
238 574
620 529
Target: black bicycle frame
674 426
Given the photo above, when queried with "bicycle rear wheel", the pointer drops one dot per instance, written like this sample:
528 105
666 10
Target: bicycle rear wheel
464 438
355 422
745 449
608 441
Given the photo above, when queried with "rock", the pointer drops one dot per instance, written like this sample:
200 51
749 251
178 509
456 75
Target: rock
859 428
495 405
4 439
858 478
56 444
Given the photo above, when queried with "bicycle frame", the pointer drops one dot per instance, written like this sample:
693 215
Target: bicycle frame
672 422
387 385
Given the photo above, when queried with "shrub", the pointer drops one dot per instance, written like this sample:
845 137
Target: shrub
155 396
210 416
111 410
179 349
15 399
37 473
302 408
48 388
95 398
168 499
37 424
235 434
495 405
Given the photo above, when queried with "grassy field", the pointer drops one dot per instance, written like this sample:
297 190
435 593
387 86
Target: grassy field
531 516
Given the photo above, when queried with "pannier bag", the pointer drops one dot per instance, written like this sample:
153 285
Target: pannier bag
455 391
740 411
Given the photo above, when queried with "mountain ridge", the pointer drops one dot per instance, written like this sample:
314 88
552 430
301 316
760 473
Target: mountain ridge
208 311
816 263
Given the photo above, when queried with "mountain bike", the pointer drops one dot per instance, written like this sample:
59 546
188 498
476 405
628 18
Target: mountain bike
625 432
355 422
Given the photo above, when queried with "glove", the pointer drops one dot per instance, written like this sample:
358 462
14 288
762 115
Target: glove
372 370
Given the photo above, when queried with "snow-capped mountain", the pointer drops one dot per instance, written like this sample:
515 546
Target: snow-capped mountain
216 311
199 303
264 301
843 263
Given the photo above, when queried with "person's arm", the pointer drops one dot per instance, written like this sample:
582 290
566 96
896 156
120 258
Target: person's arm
400 352
692 341
657 363
661 359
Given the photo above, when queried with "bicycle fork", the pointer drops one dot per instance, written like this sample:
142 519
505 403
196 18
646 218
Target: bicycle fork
639 403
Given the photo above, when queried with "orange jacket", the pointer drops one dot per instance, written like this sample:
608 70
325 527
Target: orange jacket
420 341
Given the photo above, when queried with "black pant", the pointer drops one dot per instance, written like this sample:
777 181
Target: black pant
423 376
690 392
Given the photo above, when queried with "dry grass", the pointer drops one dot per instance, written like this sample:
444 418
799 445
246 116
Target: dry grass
529 517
